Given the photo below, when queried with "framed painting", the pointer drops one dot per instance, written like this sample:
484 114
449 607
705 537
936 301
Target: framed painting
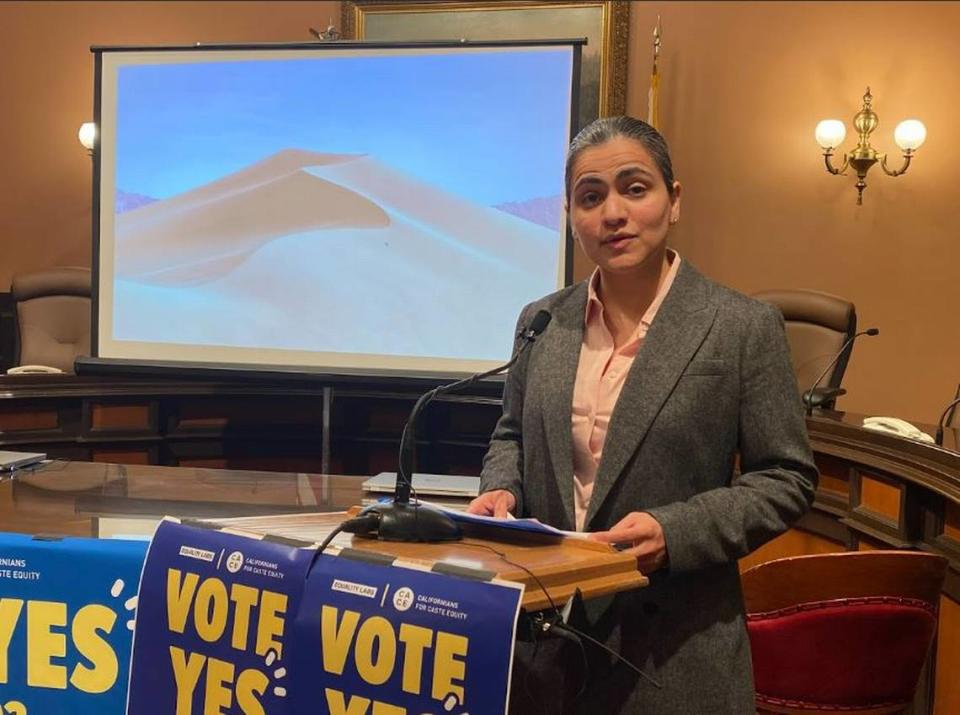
605 24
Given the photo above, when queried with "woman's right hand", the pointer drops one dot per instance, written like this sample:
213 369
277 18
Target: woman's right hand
497 502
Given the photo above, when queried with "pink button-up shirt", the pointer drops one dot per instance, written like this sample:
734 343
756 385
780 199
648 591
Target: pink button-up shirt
601 373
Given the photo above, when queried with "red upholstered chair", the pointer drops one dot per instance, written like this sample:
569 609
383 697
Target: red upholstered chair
841 633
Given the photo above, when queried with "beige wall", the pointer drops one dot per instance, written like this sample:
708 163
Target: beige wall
744 83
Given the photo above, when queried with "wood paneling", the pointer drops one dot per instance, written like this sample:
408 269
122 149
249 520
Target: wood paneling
17 419
204 462
118 456
865 543
120 417
794 542
244 410
880 496
951 521
834 474
832 484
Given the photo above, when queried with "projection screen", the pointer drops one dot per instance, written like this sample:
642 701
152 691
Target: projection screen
351 209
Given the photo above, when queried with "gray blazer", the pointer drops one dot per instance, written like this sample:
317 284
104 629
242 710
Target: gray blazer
711 381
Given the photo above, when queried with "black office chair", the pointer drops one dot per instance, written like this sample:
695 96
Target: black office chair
817 326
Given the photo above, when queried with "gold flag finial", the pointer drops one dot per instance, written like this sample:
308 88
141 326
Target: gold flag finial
656 41
653 96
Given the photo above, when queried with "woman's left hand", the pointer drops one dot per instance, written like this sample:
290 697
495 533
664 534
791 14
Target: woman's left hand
646 536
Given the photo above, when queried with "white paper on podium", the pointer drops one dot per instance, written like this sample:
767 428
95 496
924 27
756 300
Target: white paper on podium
530 526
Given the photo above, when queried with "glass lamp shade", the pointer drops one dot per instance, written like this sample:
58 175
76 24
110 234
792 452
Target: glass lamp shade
910 134
830 133
87 134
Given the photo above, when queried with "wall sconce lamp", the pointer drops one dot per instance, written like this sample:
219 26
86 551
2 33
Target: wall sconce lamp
87 136
908 135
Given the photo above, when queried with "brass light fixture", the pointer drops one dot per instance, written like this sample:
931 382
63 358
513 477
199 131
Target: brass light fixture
908 135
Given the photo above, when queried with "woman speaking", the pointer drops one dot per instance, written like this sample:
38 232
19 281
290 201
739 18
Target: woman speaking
626 419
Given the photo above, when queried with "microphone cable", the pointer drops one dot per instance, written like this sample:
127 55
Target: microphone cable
556 621
362 524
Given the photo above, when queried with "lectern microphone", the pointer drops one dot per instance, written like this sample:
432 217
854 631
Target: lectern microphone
400 520
811 398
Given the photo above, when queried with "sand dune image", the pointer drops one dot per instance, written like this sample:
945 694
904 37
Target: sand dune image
334 253
258 173
206 232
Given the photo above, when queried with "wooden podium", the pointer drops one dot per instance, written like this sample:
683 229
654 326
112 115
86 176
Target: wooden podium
561 566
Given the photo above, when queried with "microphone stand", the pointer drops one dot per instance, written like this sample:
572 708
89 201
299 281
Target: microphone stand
809 395
401 520
943 417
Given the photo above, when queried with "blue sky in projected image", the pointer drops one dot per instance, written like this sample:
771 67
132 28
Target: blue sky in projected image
489 127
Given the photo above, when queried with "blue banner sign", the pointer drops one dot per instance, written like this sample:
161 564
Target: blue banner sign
388 640
234 625
67 609
215 616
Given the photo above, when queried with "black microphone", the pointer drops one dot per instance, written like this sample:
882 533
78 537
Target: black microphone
539 323
943 418
808 396
399 520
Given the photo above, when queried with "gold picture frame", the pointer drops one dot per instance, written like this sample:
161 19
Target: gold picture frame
605 24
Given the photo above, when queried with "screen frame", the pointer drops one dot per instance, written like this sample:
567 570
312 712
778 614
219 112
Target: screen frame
110 365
